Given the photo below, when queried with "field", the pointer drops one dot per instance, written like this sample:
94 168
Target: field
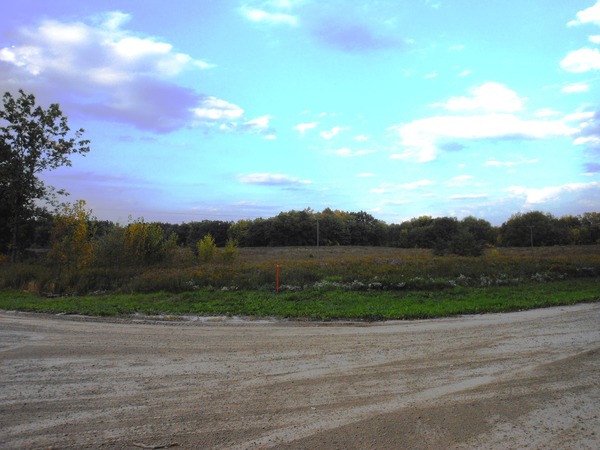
326 283
209 355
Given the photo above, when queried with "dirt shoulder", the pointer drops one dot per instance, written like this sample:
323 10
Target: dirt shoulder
493 381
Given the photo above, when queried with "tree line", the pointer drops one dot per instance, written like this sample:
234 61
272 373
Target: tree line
149 241
467 236
33 140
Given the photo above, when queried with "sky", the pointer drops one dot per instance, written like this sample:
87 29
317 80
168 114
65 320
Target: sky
238 109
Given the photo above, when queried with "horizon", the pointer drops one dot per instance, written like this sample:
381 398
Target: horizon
132 219
247 108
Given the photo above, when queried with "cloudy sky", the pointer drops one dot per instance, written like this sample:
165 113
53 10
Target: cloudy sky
237 109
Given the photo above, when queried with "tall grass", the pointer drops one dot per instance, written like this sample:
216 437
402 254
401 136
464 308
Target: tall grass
309 268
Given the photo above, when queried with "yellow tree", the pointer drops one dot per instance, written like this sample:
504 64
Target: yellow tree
72 245
144 242
207 249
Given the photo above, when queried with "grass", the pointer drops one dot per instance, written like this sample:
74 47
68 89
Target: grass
318 305
329 283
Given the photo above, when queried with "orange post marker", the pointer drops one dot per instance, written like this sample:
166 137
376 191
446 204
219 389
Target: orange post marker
277 278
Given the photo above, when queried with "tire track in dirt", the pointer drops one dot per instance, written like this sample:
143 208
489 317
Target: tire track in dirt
489 381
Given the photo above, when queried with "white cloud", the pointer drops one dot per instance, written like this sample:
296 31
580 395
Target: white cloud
546 112
304 127
489 97
213 108
582 60
259 123
227 118
583 117
533 197
114 19
589 15
595 39
420 137
594 140
361 138
271 179
576 88
330 134
98 68
460 180
61 48
276 18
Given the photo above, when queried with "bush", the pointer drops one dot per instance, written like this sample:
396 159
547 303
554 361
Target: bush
144 242
230 252
207 248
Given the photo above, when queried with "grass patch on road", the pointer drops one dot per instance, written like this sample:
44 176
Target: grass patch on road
314 304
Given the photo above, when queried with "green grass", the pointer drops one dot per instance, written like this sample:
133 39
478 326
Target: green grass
313 304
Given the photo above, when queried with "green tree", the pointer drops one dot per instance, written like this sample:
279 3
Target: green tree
259 233
444 230
590 228
239 232
533 228
480 229
216 228
230 252
32 140
332 228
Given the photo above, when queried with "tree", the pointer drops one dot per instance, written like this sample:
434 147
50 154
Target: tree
72 238
444 230
230 252
480 229
259 233
216 228
32 140
207 248
590 228
144 243
530 229
238 232
333 230
365 229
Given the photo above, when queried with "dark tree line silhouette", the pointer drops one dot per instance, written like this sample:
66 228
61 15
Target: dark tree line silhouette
444 235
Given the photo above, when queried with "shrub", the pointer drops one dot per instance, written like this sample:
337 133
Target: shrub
144 242
72 238
207 249
230 252
110 249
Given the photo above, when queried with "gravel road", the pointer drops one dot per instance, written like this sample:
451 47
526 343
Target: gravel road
492 381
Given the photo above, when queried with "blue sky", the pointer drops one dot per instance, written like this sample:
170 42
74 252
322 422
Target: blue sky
234 109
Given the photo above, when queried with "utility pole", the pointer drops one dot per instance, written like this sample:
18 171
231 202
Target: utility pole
531 237
318 254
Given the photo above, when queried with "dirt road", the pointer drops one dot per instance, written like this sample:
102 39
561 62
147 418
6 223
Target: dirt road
494 381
